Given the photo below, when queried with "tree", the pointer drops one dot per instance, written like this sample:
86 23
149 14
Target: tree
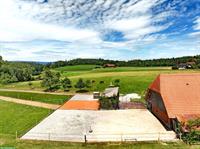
51 80
66 84
109 103
1 60
80 84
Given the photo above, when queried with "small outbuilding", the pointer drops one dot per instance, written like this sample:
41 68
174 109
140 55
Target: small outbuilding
111 92
174 97
109 65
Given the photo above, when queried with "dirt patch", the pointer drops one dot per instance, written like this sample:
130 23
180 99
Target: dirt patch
30 103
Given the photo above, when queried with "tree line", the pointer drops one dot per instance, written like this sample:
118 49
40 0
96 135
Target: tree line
130 63
53 81
11 72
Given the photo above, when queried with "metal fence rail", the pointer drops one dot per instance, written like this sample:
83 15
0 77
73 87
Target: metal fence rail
170 136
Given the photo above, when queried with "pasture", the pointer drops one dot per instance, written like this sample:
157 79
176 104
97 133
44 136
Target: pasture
47 98
132 79
21 118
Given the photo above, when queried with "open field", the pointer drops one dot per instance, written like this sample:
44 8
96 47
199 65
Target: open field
20 118
132 79
76 68
47 98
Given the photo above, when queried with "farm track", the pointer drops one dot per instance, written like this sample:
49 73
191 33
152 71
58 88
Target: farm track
30 103
39 92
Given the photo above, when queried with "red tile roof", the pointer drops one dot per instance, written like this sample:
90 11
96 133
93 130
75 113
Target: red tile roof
180 93
80 105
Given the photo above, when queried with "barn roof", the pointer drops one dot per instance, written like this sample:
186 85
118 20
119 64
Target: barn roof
81 102
80 105
180 93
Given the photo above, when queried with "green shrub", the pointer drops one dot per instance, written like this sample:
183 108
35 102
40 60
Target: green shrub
109 103
193 136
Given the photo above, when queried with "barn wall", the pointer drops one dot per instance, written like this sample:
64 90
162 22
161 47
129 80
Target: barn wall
158 108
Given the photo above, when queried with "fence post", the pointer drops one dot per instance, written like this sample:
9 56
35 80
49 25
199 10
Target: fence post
85 138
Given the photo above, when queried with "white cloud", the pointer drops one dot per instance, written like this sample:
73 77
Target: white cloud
130 24
81 24
21 30
197 24
14 27
195 34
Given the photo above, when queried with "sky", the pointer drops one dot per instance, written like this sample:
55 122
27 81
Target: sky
51 30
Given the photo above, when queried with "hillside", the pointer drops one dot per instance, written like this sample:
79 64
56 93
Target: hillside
130 63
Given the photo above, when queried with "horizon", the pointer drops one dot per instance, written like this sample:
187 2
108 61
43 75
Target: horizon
99 58
50 30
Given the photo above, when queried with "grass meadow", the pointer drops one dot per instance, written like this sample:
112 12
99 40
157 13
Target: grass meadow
21 118
132 79
47 98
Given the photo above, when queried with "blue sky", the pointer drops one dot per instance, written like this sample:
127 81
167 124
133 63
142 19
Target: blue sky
50 30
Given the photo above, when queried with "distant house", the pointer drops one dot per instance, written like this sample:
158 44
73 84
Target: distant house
109 65
175 98
187 65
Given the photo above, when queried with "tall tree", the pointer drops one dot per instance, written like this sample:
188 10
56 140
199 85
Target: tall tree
66 83
80 84
51 80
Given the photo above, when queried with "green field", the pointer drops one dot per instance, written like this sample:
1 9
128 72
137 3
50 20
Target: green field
47 98
132 79
76 68
20 118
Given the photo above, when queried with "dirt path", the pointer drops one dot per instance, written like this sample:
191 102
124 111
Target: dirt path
30 103
34 91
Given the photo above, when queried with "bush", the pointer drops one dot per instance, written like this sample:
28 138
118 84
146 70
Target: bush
109 103
193 136
80 84
51 80
66 84
101 82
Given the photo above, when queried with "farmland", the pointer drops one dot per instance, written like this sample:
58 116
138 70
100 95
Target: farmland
21 118
47 98
132 79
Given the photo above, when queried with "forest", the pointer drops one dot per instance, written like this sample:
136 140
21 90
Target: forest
131 63
11 72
